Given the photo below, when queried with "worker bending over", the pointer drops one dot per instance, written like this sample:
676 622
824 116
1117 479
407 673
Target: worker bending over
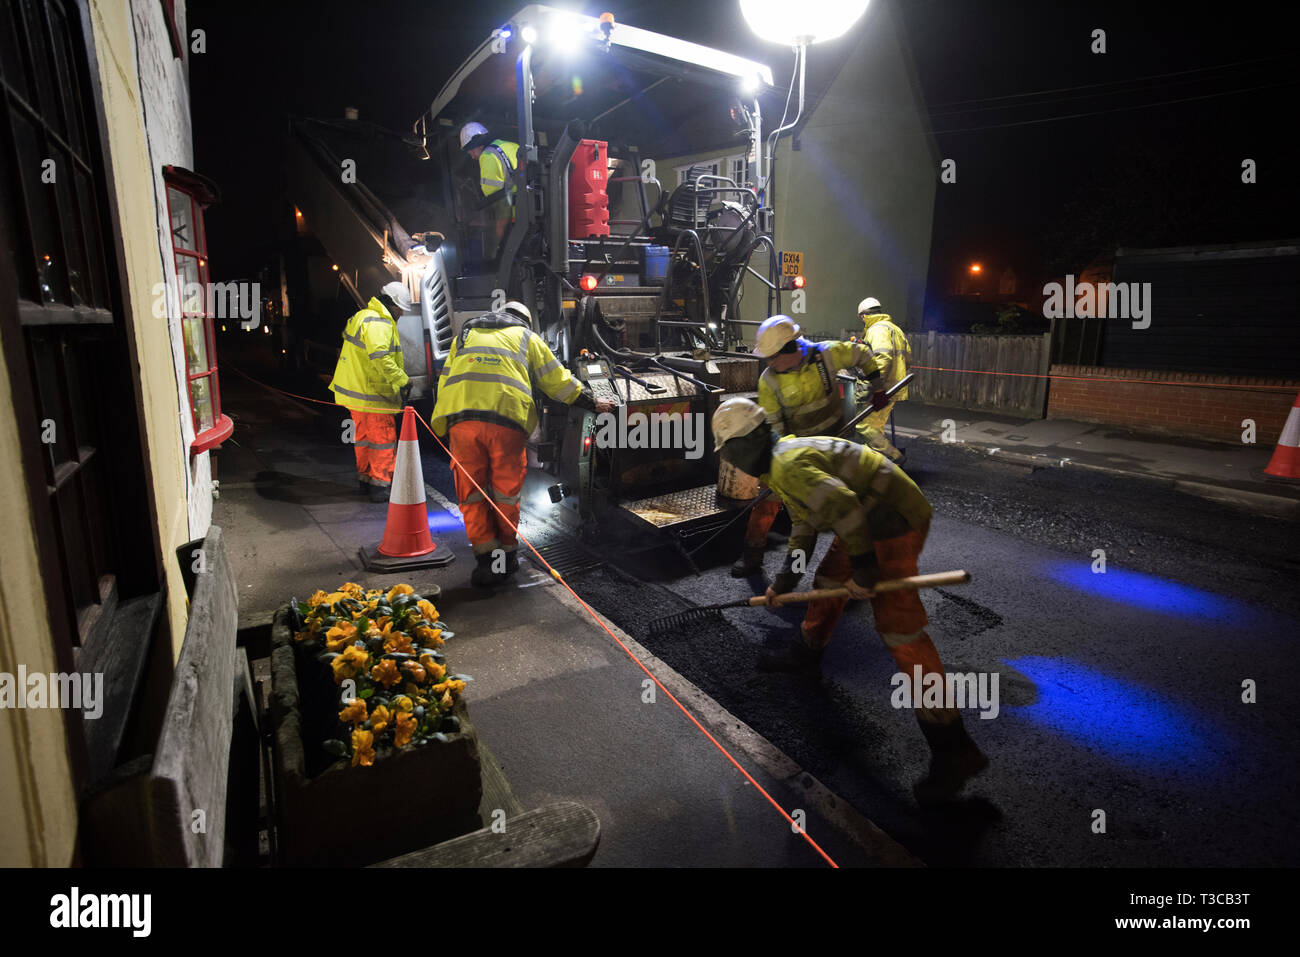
370 380
880 520
485 405
893 353
799 392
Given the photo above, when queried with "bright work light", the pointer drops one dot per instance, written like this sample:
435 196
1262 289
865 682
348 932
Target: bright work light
804 22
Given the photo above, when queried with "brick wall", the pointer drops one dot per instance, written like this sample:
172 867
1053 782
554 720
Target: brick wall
1186 408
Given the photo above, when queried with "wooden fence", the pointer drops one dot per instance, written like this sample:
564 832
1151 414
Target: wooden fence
971 358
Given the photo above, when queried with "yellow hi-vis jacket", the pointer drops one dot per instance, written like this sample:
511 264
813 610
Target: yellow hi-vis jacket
850 489
496 164
370 373
892 350
806 400
491 372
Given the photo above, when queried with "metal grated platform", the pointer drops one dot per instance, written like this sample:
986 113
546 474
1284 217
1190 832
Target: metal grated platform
566 556
677 508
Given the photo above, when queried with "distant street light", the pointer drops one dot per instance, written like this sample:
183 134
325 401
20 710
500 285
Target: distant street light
802 23
976 268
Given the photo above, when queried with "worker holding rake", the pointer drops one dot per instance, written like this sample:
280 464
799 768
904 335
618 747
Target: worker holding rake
880 520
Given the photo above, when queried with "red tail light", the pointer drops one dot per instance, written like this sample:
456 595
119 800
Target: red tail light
586 444
798 282
587 283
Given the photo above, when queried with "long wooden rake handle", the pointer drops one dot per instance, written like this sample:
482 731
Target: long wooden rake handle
933 580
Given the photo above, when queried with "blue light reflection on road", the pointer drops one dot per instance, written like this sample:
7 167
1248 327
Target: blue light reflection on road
440 521
1123 720
1151 593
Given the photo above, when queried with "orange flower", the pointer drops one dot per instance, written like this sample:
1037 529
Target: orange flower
317 597
340 636
435 670
354 713
334 596
349 663
416 672
352 590
363 748
397 641
427 610
379 719
400 590
457 686
403 703
446 701
430 637
406 725
386 673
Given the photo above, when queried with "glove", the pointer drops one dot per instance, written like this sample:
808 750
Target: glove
879 400
787 579
866 570
405 394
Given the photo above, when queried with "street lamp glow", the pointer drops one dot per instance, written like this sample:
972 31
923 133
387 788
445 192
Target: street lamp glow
976 268
806 21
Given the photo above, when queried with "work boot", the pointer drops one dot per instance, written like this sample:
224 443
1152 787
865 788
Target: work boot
380 493
483 576
954 759
797 658
749 562
901 460
512 563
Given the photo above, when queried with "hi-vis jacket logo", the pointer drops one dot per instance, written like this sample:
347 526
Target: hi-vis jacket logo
491 360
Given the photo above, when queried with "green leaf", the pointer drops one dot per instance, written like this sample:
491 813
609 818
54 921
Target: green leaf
336 747
365 693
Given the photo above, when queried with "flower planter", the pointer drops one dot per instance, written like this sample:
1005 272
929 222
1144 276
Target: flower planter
330 813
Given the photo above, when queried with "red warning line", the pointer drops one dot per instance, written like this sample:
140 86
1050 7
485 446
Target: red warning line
594 617
1099 378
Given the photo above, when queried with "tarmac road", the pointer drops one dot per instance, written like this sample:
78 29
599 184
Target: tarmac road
1119 692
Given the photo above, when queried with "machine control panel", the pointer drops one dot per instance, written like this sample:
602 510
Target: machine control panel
597 375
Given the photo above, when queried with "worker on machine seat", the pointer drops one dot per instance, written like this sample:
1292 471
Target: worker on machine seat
799 393
485 406
497 161
880 520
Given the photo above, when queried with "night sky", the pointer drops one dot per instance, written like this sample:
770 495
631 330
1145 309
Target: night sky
1060 152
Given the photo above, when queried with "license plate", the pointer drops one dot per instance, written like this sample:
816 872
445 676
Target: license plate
791 264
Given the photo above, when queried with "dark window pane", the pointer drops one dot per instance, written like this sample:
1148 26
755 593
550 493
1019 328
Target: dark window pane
97 541
49 265
98 283
68 79
70 517
12 61
46 91
71 215
182 220
79 363
55 421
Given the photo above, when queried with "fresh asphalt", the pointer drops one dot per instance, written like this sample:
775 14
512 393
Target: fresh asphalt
1121 738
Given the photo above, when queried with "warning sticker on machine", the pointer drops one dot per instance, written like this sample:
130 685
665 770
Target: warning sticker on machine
791 264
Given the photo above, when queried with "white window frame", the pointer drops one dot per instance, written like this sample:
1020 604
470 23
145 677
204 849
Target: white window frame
722 166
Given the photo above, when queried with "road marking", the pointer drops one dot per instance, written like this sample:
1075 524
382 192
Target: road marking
441 499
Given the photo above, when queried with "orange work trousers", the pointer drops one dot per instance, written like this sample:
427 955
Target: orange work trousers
495 457
375 444
761 517
900 617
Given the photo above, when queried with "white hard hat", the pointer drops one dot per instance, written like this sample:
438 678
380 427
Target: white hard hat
774 334
734 418
398 292
517 309
471 130
871 302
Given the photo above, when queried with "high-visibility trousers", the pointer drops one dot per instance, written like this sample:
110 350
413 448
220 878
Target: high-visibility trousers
872 431
900 616
375 445
494 456
761 517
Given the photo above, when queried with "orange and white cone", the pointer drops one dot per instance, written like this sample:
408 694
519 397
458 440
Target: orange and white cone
407 542
1285 462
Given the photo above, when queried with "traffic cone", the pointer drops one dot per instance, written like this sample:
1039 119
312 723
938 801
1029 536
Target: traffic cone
407 543
1285 462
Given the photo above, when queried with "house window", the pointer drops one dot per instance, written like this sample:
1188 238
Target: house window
187 196
735 167
56 227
